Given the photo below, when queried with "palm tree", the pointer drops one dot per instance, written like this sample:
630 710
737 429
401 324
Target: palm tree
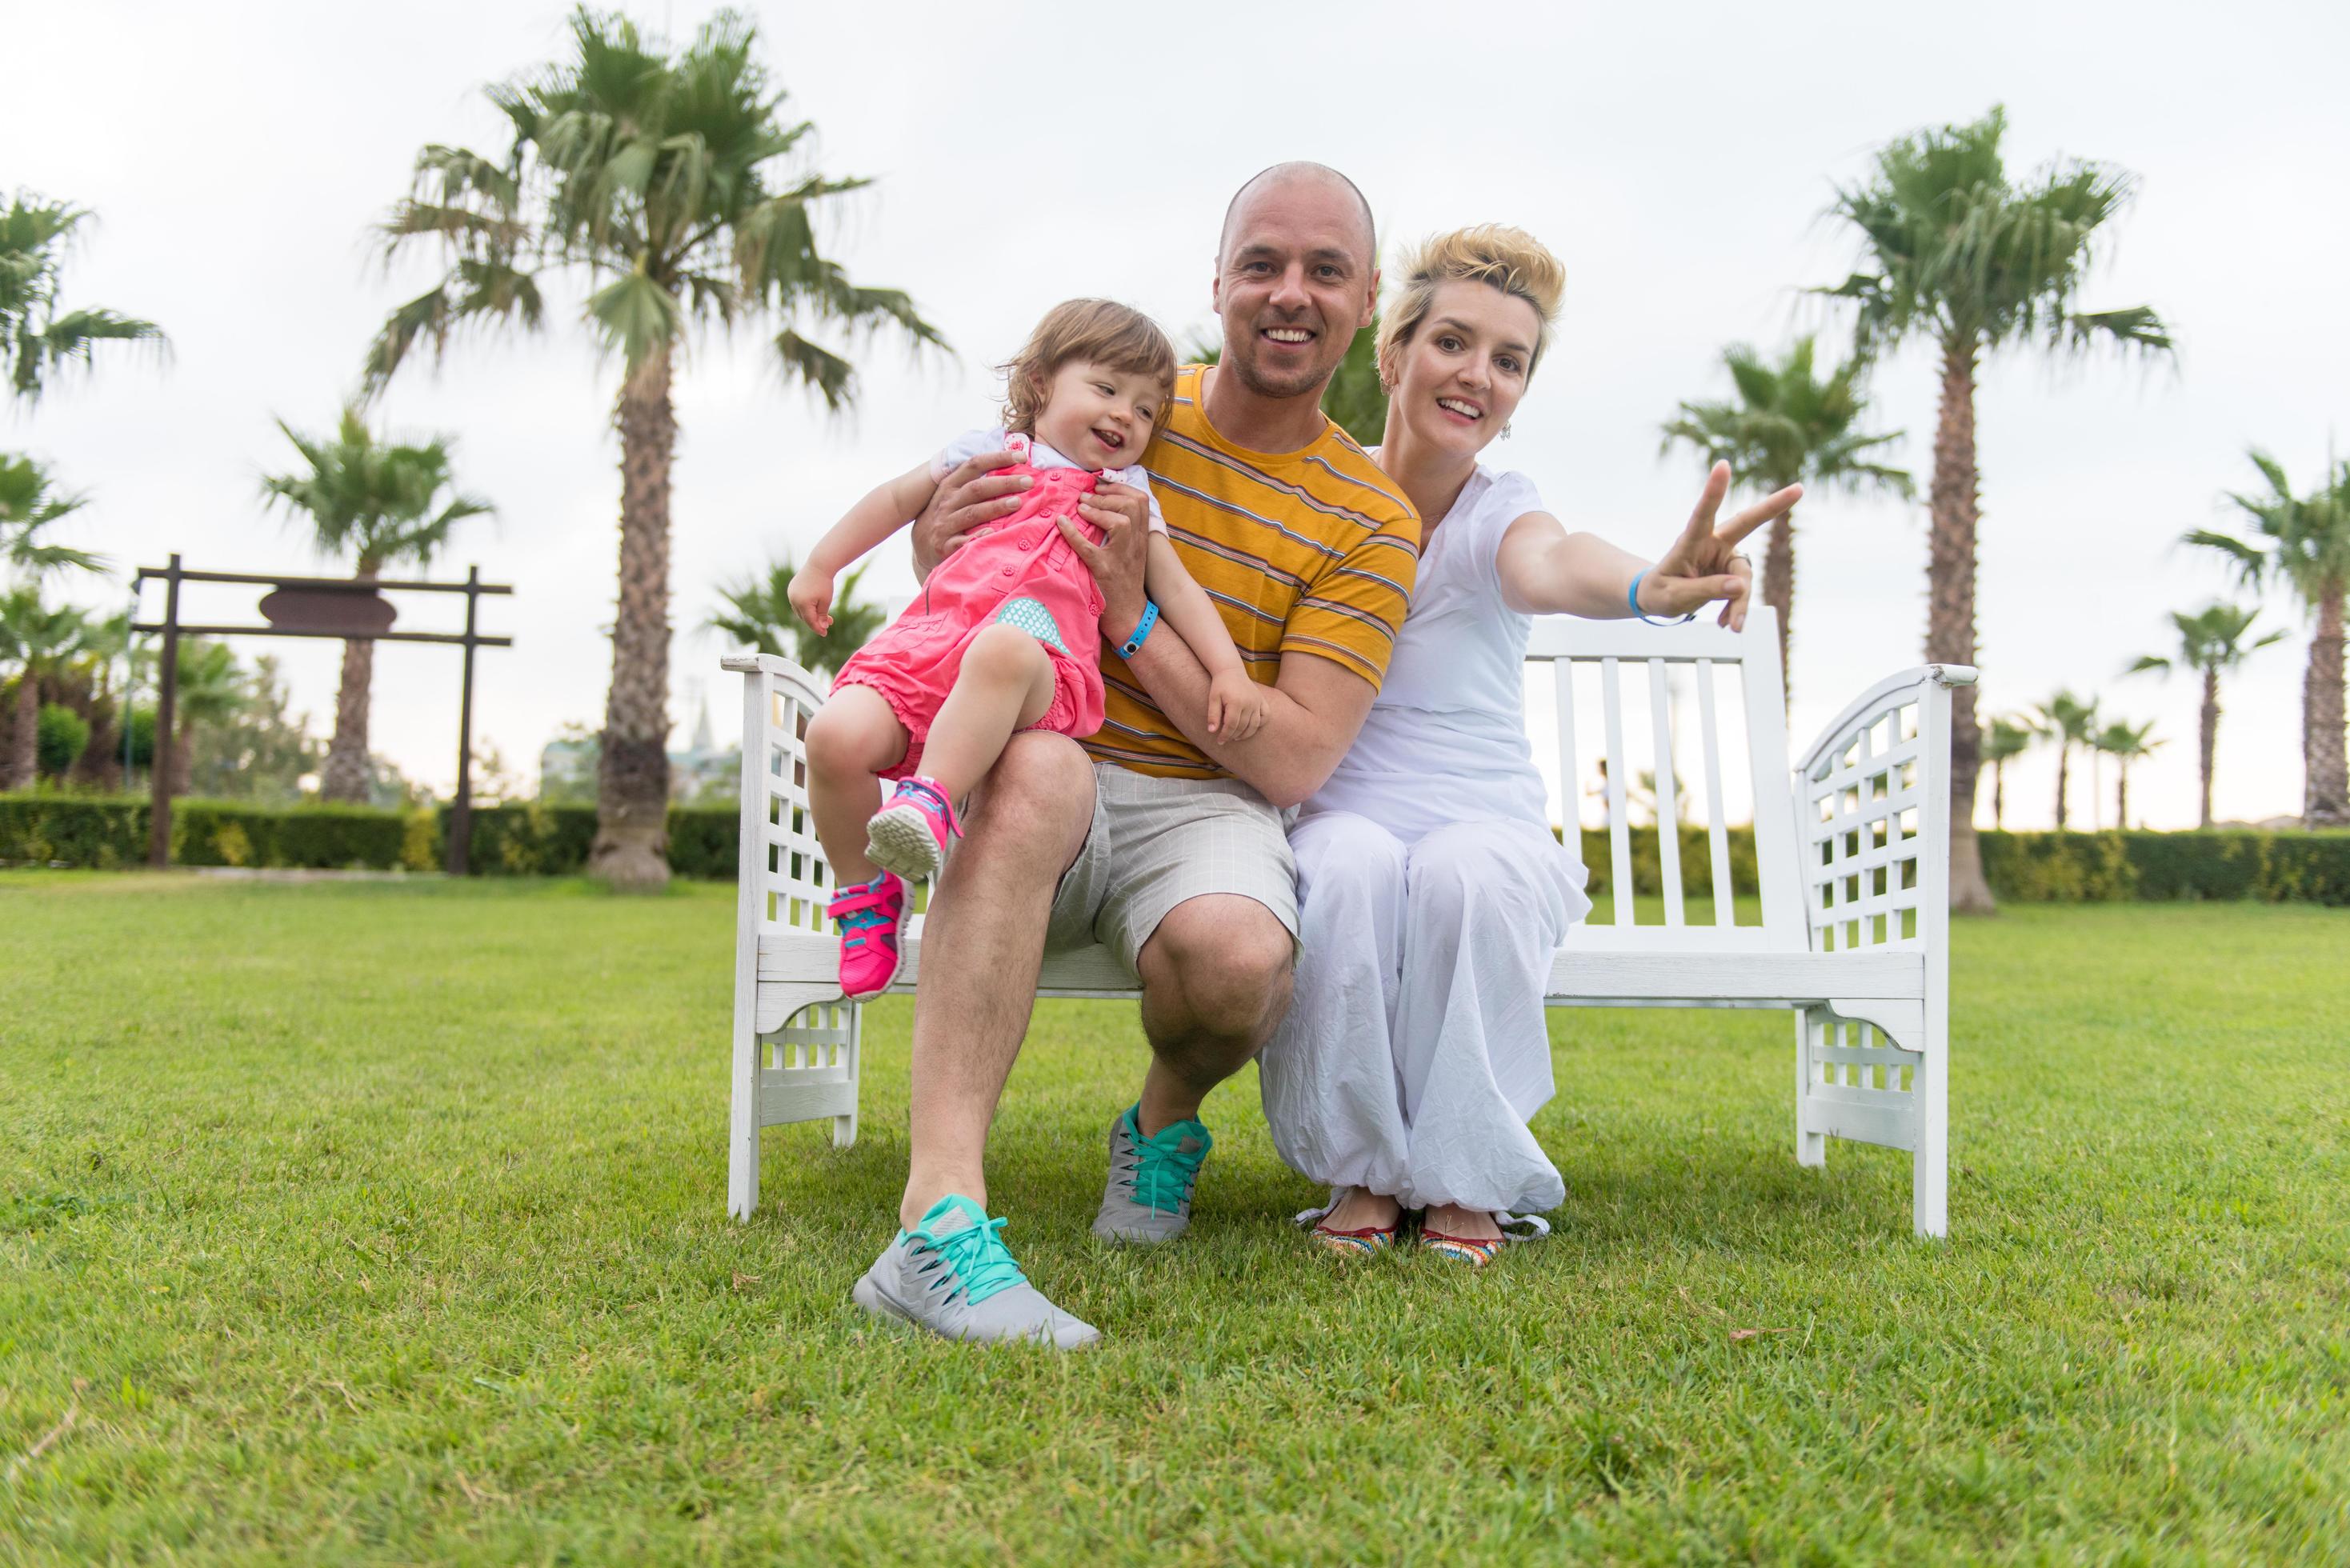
380 502
1788 427
2125 743
36 639
2007 739
2211 640
209 690
36 336
758 614
656 178
1962 256
1354 399
29 503
2069 720
2303 541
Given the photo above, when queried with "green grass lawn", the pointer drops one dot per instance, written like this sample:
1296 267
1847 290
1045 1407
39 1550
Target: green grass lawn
387 1223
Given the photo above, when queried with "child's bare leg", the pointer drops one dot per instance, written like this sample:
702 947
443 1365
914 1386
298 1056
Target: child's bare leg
851 739
1005 685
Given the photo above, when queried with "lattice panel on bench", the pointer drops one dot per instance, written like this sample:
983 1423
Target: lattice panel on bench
797 881
1858 1084
1863 822
818 1039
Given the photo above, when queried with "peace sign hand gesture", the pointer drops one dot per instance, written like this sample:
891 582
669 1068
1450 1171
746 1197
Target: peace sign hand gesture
1703 564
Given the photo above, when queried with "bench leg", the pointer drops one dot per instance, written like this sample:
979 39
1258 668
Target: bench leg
1930 1175
852 1054
1811 1148
742 1123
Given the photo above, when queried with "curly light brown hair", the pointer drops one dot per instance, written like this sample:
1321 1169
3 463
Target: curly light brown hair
1100 330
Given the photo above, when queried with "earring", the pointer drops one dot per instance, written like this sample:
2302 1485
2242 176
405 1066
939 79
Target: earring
1505 430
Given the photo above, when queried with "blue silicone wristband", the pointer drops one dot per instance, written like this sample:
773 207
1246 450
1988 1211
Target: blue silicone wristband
1632 597
1133 645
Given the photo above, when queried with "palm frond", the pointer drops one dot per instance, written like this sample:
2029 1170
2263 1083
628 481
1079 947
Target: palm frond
812 365
635 315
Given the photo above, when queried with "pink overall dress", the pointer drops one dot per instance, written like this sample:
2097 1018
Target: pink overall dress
1017 569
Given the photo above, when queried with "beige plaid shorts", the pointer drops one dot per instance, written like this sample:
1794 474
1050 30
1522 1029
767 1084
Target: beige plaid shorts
1157 842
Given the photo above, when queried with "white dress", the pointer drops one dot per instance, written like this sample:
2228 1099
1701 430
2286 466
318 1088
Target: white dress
1432 897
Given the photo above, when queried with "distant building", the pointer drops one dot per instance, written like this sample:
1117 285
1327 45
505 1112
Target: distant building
701 772
567 772
567 768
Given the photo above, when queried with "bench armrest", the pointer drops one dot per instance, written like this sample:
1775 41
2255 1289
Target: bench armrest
783 882
1872 704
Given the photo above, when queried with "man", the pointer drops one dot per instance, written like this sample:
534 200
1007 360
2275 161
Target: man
1165 843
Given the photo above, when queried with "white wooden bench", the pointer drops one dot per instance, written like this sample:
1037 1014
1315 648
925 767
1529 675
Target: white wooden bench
1851 852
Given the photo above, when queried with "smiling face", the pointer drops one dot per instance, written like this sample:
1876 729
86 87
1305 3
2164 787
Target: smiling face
1294 282
1098 417
1459 377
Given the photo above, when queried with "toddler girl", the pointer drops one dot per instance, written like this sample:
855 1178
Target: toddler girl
1007 634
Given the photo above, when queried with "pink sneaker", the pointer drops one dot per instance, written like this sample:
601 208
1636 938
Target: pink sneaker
868 915
910 834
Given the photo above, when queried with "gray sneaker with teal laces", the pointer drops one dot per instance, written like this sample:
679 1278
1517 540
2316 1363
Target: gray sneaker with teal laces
953 1275
1149 1197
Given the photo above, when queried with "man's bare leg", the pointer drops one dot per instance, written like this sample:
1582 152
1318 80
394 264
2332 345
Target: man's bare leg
981 946
1215 983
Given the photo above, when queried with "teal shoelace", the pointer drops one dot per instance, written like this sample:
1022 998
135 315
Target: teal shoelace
978 1258
861 919
1163 1173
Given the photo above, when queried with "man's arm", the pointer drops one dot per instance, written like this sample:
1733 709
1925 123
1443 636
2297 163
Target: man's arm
1312 716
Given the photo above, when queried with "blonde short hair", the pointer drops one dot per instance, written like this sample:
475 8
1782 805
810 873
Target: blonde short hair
1100 330
1510 260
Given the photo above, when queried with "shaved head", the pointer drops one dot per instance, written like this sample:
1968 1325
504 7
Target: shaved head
1301 172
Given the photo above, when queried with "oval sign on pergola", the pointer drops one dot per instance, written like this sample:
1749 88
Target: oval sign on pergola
329 612
349 609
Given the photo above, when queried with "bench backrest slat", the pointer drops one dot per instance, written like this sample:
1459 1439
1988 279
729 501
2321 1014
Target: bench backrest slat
1606 652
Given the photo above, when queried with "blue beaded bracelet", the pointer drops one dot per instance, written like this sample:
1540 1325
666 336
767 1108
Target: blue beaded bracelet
1633 598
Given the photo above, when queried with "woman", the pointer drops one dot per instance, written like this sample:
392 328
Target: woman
1433 891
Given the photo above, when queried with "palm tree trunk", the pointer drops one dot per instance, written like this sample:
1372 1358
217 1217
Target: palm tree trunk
1999 795
2063 777
2209 738
632 848
2121 794
1950 609
2325 796
24 733
1779 593
345 777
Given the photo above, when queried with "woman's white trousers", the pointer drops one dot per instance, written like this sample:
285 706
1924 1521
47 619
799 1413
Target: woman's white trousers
1415 1050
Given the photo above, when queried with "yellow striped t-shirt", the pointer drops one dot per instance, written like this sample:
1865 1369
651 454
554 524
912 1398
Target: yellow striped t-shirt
1307 552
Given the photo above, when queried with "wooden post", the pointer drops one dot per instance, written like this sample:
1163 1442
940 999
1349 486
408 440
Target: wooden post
461 820
158 816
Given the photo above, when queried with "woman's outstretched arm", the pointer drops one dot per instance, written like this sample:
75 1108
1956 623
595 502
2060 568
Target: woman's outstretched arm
1545 570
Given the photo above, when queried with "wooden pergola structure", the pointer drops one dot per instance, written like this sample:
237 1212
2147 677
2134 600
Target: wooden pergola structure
346 610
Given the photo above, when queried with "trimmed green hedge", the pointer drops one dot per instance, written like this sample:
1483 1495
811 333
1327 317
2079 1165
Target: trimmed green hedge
530 839
2273 867
111 830
101 830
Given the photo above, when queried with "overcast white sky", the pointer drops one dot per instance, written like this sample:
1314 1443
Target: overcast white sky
1675 157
